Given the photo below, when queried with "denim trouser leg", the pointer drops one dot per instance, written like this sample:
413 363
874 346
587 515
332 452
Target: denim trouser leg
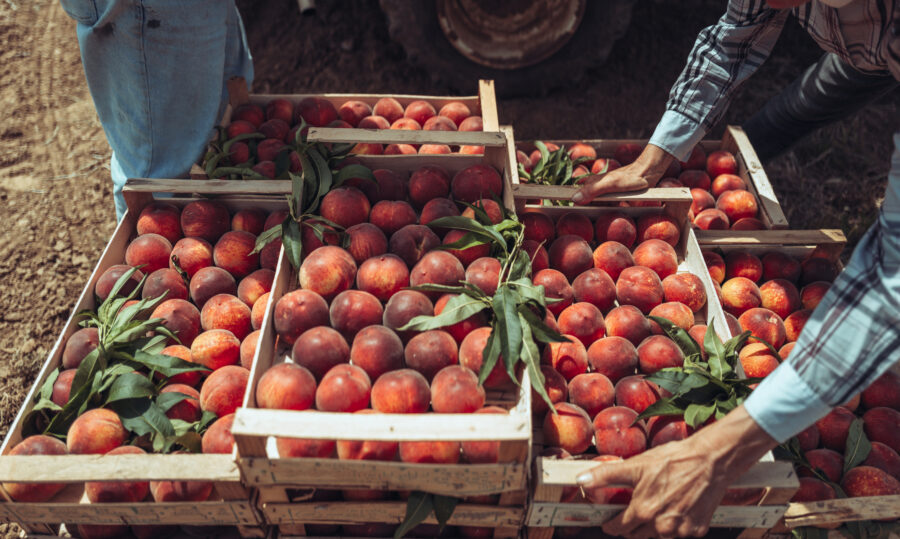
827 91
157 72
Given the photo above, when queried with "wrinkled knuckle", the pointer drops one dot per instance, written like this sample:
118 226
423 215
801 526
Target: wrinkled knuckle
666 526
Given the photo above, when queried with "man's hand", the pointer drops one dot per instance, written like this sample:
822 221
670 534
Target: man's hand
645 172
677 486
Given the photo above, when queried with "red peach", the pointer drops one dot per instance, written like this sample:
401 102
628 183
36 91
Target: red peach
327 271
603 165
345 206
881 425
868 481
702 200
376 350
721 162
403 307
223 390
468 255
781 297
389 108
210 281
437 208
205 219
316 111
472 123
95 432
628 322
471 355
740 295
748 223
571 255
297 312
233 253
420 111
319 349
639 286
253 286
817 269
79 345
627 153
883 392
658 256
150 250
716 266
595 287
614 357
344 388
476 182
455 390
431 351
575 224
615 226
834 428
62 387
224 311
539 228
352 310
402 391
462 328
659 227
695 179
685 288
428 183
485 274
658 352
216 349
455 111
187 409
743 264
737 204
162 219
540 259
191 255
569 428
353 112
712 219
673 311
259 310
569 358
777 265
764 325
591 391
612 257
218 437
556 286
726 182
382 276
437 267
813 293
286 386
411 243
38 444
365 241
555 386
617 431
583 321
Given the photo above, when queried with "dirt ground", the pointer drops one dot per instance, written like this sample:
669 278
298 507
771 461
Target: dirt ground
55 193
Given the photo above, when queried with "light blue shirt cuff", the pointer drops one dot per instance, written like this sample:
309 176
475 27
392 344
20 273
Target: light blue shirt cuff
677 134
783 404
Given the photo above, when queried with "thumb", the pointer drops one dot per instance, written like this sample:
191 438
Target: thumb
609 474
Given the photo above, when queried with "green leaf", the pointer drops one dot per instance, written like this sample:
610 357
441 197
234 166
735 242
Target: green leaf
418 506
467 241
143 417
298 183
130 386
266 238
508 327
682 338
469 225
443 509
697 414
292 243
666 406
736 343
532 359
858 446
461 288
715 354
323 177
677 381
105 312
538 328
489 356
166 401
458 308
354 171
167 366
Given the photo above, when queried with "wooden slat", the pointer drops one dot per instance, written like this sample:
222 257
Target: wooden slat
403 136
842 510
769 208
76 468
193 513
545 514
714 313
448 479
565 192
387 512
715 238
488 98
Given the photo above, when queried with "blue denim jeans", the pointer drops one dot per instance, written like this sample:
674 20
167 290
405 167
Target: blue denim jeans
157 72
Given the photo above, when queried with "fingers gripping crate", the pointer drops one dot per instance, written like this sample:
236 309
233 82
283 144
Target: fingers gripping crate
483 105
230 503
290 489
735 141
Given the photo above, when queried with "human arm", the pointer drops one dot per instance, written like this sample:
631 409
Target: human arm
723 56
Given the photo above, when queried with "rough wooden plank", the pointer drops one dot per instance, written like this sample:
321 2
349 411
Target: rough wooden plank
696 265
388 512
209 187
545 514
403 136
565 192
842 510
488 99
194 513
75 468
716 238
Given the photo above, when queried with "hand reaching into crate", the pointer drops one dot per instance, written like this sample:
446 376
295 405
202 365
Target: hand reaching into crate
643 173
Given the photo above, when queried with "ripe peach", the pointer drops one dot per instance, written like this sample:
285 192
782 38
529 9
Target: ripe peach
639 286
740 295
657 255
569 358
382 276
233 253
627 153
612 257
184 353
462 328
716 266
695 179
427 183
636 393
265 168
570 428
834 427
483 452
777 265
286 386
665 429
268 149
808 438
297 312
311 242
215 349
411 243
677 313
702 200
403 307
765 325
218 437
658 352
614 357
468 255
62 387
388 185
181 491
162 219
721 162
555 386
392 215
883 392
258 311
816 269
456 111
617 432
187 409
223 390
205 219
316 111
628 321
275 128
438 123
884 458
377 350
591 391
757 360
455 390
253 286
429 453
813 490
319 349
402 391
727 182
240 127
472 123
476 182
659 227
38 444
352 310
437 267
615 226
737 204
150 250
785 350
191 255
471 355
603 165
595 287
431 351
743 264
420 111
165 281
571 255
540 259
119 491
869 481
389 108
304 448
698 332
781 297
748 223
881 425
95 432
437 208
344 388
345 206
251 220
575 224
812 294
489 207
248 349
249 112
365 241
711 219
669 182
485 274
327 271
224 311
539 227
79 345
354 111
685 288
211 281
583 321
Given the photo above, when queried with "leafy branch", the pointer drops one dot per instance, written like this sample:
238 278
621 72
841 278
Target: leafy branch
553 168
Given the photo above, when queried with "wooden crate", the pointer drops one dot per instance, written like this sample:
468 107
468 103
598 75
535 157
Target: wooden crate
734 141
484 104
231 502
285 485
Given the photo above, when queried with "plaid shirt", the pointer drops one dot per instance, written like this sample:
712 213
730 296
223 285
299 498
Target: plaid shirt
852 337
730 51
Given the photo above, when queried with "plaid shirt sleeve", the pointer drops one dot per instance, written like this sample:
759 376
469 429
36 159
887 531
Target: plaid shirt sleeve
723 56
852 337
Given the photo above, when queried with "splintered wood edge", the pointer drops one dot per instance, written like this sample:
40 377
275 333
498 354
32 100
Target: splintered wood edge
403 136
773 474
77 468
565 192
388 512
382 427
842 510
774 238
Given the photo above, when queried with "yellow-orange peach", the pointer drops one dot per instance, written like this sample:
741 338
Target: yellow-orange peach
781 297
739 295
403 391
191 255
286 386
673 311
757 360
223 390
216 348
224 311
659 227
160 218
639 286
255 285
259 311
569 428
95 432
37 444
234 253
